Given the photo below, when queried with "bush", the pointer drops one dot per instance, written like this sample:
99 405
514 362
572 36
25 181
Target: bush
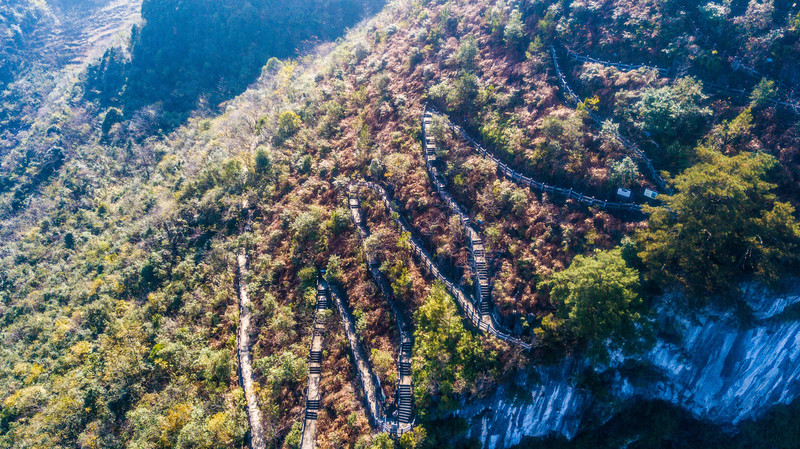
673 112
624 172
447 358
514 34
288 124
763 94
598 304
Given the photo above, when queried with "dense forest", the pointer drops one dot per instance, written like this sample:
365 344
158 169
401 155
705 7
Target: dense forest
200 51
124 207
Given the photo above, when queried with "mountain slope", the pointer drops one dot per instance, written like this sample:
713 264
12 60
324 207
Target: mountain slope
118 297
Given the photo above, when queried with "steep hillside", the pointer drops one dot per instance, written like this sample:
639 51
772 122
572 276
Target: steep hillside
126 249
194 54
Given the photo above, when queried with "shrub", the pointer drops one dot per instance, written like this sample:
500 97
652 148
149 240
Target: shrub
598 304
763 94
514 34
624 172
447 358
673 112
288 124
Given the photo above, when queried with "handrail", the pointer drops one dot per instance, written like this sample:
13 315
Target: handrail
736 64
620 65
404 380
370 383
629 145
476 247
532 184
427 261
313 393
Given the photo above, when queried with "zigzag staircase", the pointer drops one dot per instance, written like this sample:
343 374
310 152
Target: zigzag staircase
404 420
485 324
477 249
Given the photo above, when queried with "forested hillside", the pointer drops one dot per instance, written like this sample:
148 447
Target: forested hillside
448 170
203 51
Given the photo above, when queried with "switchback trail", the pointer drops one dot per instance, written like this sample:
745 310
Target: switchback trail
467 306
537 186
370 386
477 249
404 421
628 144
736 65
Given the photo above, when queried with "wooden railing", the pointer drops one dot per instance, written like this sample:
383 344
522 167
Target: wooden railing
599 120
462 299
736 64
619 65
404 421
476 247
535 185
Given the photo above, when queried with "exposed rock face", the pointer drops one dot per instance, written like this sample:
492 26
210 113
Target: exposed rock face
715 367
726 372
553 405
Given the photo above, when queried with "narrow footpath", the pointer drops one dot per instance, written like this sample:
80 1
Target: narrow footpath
405 400
257 440
477 249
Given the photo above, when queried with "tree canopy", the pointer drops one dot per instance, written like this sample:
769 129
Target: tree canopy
598 304
723 222
447 357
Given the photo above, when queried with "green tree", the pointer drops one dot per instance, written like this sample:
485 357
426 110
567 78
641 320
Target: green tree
514 33
113 116
462 95
598 304
466 53
764 93
288 124
447 358
673 112
723 222
624 172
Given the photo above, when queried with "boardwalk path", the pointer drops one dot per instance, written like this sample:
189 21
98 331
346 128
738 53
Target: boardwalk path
533 184
736 65
476 247
370 386
470 311
313 393
404 420
628 144
243 351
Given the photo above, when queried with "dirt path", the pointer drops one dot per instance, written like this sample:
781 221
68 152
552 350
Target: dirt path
243 347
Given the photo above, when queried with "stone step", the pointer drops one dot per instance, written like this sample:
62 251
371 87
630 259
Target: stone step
311 415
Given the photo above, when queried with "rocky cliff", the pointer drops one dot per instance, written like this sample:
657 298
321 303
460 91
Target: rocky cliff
724 367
